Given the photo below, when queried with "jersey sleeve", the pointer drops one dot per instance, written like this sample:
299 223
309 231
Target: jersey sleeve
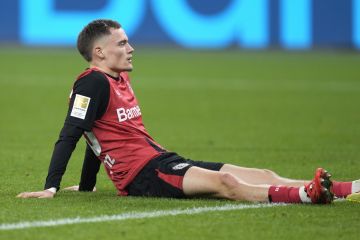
89 171
88 101
69 136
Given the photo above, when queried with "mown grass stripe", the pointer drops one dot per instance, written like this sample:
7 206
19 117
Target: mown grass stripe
132 215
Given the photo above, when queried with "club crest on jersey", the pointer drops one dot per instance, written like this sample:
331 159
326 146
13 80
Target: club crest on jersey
128 113
80 107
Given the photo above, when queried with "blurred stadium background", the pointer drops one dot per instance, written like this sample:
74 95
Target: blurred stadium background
259 24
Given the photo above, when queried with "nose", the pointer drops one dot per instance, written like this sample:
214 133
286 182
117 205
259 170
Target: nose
130 49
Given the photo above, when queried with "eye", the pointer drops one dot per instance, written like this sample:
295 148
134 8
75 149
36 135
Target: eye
122 43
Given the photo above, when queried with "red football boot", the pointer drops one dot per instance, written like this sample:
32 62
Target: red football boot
320 188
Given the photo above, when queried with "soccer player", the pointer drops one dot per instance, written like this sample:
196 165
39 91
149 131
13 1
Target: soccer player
104 109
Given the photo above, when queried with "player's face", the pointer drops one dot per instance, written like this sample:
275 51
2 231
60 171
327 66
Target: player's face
117 51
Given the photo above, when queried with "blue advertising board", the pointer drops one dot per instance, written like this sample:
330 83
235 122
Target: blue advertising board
289 24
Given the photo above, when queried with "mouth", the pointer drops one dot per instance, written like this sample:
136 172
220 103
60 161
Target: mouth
129 59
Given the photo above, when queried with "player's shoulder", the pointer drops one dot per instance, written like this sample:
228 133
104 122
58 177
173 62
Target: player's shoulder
92 77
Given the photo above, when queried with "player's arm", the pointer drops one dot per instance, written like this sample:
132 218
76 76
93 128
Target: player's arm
90 168
91 164
89 171
91 91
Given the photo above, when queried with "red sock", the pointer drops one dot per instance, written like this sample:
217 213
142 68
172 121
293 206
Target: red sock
284 194
342 189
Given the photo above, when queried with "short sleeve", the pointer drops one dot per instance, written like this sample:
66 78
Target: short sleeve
88 101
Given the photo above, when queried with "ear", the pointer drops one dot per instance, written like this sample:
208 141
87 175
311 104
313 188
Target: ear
98 52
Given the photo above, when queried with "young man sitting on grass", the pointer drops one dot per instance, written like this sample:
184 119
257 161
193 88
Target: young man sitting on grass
104 109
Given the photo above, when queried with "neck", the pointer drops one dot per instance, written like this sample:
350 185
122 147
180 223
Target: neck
105 70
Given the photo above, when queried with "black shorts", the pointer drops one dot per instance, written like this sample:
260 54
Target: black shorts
163 176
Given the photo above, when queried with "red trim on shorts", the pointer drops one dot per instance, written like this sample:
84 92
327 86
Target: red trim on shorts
173 180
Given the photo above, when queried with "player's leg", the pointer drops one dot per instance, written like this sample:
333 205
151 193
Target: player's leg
261 176
343 189
198 181
170 175
265 176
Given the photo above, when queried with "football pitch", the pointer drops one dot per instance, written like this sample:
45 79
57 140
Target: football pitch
286 111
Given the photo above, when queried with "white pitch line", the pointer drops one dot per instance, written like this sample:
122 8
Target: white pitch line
132 215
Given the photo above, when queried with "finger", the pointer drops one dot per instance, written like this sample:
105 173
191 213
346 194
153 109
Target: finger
46 196
21 195
72 188
24 195
30 194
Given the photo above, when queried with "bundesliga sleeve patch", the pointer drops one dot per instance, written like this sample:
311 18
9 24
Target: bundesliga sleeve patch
80 106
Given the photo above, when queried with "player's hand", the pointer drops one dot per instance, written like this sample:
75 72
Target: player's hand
39 194
75 188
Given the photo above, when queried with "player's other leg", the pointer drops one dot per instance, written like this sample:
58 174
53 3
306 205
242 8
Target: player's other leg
198 181
343 189
264 176
261 176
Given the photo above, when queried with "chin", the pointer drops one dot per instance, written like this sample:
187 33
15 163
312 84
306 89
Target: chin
128 69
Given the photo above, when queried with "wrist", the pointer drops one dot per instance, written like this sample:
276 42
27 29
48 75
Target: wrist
52 189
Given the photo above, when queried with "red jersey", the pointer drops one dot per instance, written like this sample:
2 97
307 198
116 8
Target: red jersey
119 138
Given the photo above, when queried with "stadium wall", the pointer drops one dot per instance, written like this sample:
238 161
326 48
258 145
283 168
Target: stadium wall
289 24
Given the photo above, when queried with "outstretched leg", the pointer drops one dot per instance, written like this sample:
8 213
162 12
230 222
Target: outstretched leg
264 176
199 181
343 189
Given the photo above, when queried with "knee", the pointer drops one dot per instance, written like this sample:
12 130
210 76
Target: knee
271 175
227 179
269 172
229 185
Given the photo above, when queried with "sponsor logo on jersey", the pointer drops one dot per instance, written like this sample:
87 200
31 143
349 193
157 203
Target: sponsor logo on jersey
180 166
128 113
80 107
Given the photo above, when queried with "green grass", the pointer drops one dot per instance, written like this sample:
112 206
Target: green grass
287 111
